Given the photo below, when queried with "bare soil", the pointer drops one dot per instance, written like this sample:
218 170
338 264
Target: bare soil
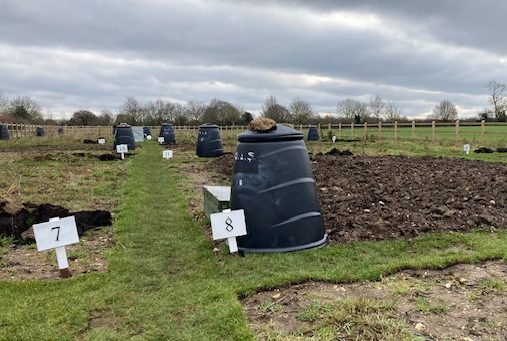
462 302
23 262
375 198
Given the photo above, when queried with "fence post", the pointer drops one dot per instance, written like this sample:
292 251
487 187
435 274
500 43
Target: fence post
395 130
380 130
301 127
329 126
433 131
413 129
457 131
483 130
365 130
339 130
352 129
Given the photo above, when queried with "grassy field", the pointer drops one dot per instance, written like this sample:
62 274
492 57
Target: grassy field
165 283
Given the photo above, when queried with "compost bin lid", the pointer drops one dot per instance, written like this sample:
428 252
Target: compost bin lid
122 125
166 124
280 133
208 126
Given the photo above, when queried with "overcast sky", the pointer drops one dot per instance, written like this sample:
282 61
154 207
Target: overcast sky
91 54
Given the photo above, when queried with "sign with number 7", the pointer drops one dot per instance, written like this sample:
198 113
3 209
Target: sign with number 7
56 233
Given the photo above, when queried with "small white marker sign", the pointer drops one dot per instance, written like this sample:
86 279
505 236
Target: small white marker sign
466 148
122 149
334 138
161 139
101 141
56 234
148 137
228 225
167 154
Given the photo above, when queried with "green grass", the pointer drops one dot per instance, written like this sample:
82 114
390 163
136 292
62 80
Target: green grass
165 283
423 305
74 182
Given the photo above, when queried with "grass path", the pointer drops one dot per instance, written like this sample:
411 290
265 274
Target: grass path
164 282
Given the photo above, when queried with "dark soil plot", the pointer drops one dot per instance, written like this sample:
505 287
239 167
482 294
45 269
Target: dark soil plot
373 198
393 197
462 302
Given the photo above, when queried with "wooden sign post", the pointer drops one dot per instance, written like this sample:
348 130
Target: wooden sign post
228 225
56 234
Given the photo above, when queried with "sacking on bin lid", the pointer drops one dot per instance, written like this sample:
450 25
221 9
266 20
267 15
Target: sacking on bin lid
208 126
280 133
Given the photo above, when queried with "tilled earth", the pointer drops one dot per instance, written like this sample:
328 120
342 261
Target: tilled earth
374 198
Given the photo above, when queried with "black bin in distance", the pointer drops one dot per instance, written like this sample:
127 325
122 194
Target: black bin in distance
4 132
124 135
39 131
313 134
273 182
209 143
146 132
167 132
60 131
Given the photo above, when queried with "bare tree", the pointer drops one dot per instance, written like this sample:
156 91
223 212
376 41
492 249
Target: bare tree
106 117
275 111
4 103
496 91
132 111
195 110
376 107
392 112
301 111
445 111
350 109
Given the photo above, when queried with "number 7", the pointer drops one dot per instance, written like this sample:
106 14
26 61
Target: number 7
58 233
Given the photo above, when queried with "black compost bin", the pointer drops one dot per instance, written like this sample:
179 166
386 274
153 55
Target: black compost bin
39 131
167 132
209 143
273 182
124 135
146 132
313 134
60 131
4 132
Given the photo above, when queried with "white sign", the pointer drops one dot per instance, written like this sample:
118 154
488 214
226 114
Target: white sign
122 148
102 141
334 138
148 137
466 148
161 139
55 233
167 154
228 225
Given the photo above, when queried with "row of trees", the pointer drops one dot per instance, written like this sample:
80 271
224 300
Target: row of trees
24 109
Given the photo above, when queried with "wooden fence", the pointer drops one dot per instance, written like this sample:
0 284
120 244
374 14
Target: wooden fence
480 132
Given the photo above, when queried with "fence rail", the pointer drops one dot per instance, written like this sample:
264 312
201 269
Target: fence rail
430 131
